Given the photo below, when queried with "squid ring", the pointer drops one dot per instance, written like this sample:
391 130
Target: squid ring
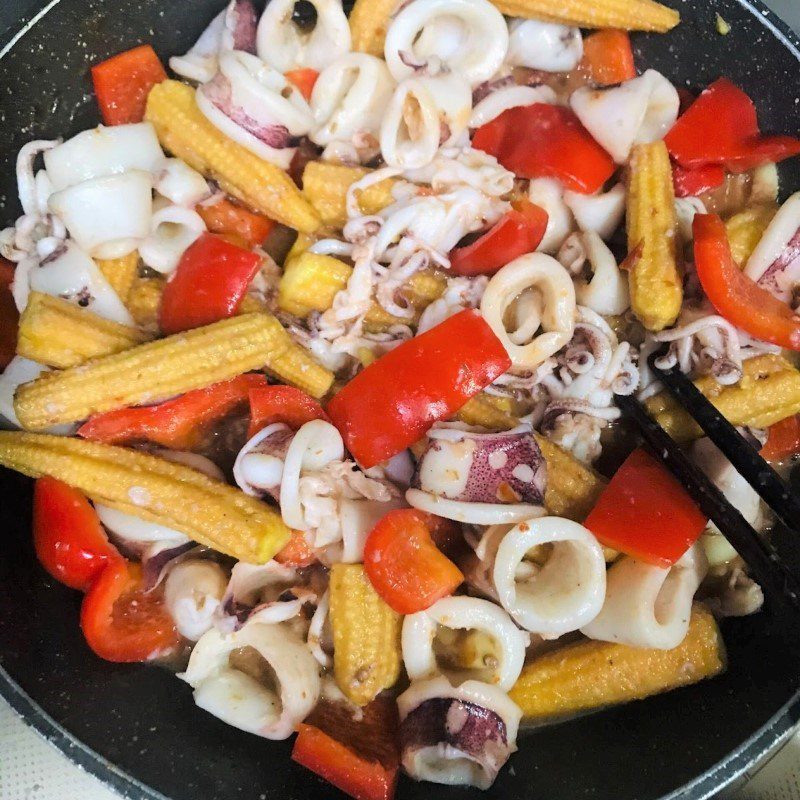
173 229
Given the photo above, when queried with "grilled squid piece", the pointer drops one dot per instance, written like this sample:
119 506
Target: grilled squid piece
285 46
481 478
547 46
554 311
103 151
424 113
181 184
258 468
775 263
173 229
599 283
601 213
193 593
549 195
349 98
261 679
500 100
232 29
357 519
256 106
458 736
647 606
563 594
502 668
107 217
637 111
70 274
469 37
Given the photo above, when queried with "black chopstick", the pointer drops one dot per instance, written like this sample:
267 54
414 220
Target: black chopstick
745 458
779 584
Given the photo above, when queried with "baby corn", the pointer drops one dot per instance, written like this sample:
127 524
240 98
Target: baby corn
326 185
630 15
186 133
369 20
296 366
482 412
655 281
590 675
58 333
366 635
121 273
745 230
144 301
310 282
152 372
210 512
768 392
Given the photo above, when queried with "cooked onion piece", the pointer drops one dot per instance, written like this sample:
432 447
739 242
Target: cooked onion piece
173 230
286 46
459 736
261 679
543 274
647 606
500 100
256 106
501 669
637 111
192 593
563 594
470 37
549 194
104 151
547 46
423 113
135 531
349 98
181 184
107 217
601 213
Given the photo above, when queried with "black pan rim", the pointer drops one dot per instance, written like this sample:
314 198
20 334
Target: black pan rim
752 751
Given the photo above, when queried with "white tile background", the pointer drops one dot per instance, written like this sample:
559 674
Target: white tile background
31 769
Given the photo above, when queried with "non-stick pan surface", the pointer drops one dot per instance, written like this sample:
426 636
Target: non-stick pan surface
137 727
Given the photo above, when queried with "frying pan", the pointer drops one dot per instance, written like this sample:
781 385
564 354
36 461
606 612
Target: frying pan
137 728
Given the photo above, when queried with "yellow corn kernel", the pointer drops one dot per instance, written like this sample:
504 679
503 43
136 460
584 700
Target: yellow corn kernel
58 333
151 372
369 20
419 292
655 281
144 301
745 230
630 15
120 273
768 392
325 186
481 411
572 487
310 282
184 131
366 635
210 512
297 367
589 675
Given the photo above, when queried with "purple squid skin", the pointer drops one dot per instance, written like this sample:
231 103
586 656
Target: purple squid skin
789 259
488 484
242 21
275 445
475 731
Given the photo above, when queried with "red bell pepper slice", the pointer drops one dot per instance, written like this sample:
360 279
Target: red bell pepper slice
69 540
783 439
395 400
692 182
284 404
226 217
519 231
403 564
644 512
303 79
209 284
608 57
544 141
721 127
178 423
121 621
9 316
735 296
123 82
